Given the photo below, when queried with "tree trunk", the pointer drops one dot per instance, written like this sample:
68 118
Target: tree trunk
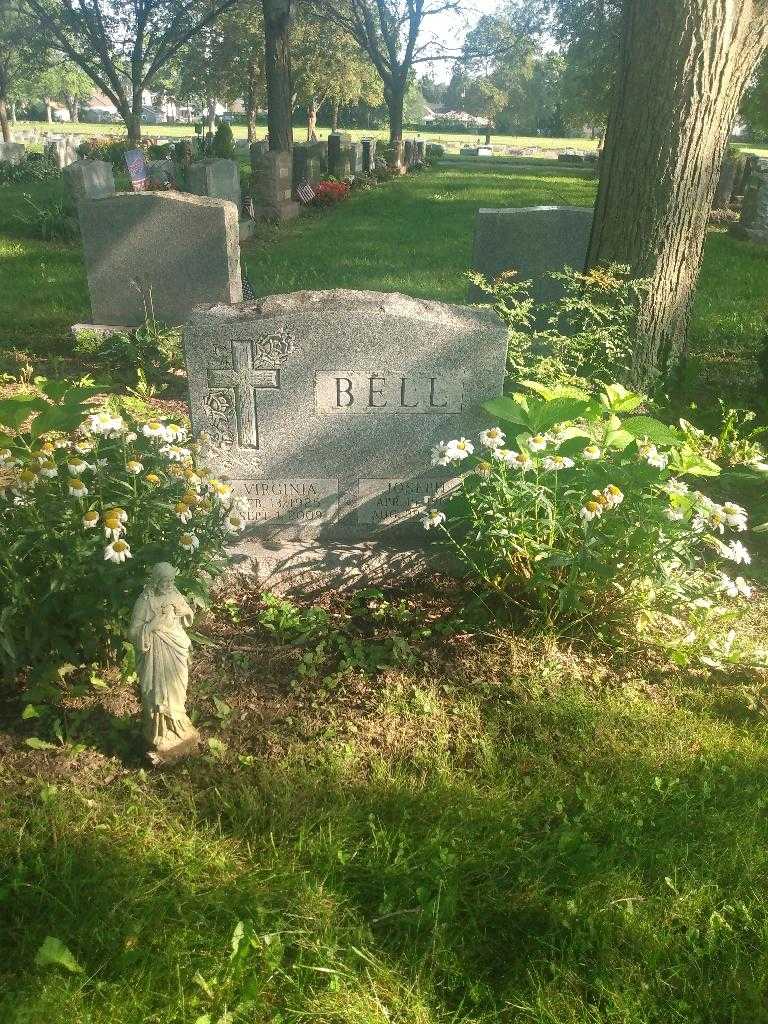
277 68
312 120
210 107
395 97
48 111
72 107
14 119
334 115
132 118
5 129
664 146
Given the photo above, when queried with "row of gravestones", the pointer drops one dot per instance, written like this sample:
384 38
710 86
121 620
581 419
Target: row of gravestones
62 151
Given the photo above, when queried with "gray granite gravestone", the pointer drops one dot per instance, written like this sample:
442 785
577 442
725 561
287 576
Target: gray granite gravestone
12 152
753 223
62 151
532 240
421 150
336 142
271 184
319 151
725 182
408 157
169 248
322 409
217 178
90 179
356 158
369 155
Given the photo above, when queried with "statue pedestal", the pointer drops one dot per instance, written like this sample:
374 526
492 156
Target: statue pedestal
168 754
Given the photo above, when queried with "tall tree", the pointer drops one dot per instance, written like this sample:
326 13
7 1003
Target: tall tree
392 33
65 82
589 32
278 19
683 69
22 57
123 46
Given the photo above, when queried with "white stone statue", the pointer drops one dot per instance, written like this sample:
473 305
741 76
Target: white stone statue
162 660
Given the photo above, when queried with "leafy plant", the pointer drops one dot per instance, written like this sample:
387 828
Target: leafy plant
330 193
223 141
56 222
35 167
89 500
576 511
149 353
587 334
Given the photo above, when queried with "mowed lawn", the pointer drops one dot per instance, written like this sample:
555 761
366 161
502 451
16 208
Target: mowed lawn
492 830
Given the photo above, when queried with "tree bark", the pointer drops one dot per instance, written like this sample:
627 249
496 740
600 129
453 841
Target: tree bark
48 112
5 128
277 68
210 107
14 119
395 98
334 115
666 137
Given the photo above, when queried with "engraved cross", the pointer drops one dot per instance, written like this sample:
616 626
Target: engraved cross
245 381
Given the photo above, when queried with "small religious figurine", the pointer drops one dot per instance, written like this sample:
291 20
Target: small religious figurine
162 660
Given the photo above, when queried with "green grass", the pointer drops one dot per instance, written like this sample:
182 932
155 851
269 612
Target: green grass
506 832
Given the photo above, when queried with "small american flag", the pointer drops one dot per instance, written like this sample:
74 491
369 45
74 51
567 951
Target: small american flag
305 193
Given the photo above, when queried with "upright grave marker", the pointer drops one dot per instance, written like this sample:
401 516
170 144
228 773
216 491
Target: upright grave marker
165 248
322 409
534 241
90 179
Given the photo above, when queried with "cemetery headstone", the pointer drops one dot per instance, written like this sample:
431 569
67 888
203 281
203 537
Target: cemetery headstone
725 183
322 412
217 178
137 169
421 150
408 152
61 150
12 152
534 241
753 223
749 163
169 249
272 182
90 179
161 173
334 154
369 155
319 151
356 158
345 162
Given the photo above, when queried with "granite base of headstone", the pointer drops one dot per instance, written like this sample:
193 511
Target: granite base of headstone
12 152
158 252
272 186
89 179
533 241
753 223
322 412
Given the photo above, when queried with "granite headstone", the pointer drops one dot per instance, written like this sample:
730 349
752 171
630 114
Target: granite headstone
173 250
90 179
534 241
217 178
753 223
322 409
271 183
12 152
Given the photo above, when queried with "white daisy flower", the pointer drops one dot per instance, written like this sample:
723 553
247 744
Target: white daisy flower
674 515
49 470
484 469
134 466
591 510
153 428
76 465
117 513
650 454
26 479
613 495
174 432
234 523
117 551
734 552
90 519
735 588
105 423
83 447
735 515
440 455
189 542
716 521
62 442
537 443
459 449
175 453
523 461
674 486
492 437
557 462
77 488
113 528
591 452
183 512
701 602
432 518
131 436
222 491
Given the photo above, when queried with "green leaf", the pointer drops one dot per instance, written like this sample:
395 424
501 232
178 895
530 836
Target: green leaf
57 417
14 411
223 710
558 391
53 953
557 410
618 399
686 461
37 744
656 431
508 410
618 439
30 711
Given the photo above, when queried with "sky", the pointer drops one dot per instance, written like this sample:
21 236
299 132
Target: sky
450 29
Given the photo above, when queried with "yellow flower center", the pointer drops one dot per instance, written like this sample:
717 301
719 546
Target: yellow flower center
119 546
76 484
91 517
152 478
